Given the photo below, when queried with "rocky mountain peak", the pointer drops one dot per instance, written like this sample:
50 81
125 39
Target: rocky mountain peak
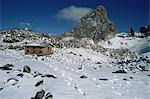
95 25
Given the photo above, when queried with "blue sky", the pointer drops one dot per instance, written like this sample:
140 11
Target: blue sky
58 16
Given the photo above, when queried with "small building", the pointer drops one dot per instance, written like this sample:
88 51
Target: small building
39 49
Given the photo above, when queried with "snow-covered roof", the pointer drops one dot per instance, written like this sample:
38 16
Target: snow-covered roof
35 44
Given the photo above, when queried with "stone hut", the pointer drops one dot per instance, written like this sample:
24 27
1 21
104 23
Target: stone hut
39 49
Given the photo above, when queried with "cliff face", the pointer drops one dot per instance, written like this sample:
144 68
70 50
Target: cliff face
95 25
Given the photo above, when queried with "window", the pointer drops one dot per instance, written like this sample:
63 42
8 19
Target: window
28 51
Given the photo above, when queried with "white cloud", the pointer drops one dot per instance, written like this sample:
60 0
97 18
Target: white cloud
73 13
25 24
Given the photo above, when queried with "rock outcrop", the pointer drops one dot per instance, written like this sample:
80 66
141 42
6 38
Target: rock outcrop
95 25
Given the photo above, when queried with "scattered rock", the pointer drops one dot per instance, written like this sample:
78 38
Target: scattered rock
142 68
39 95
131 78
120 71
104 79
98 63
49 96
125 79
37 74
72 53
49 76
80 67
7 67
12 79
39 83
80 55
1 89
83 77
26 69
88 59
21 75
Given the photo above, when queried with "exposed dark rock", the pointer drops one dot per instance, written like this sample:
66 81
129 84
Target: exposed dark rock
14 84
21 75
142 68
104 79
39 83
83 77
80 55
11 40
131 78
37 74
39 95
7 67
49 96
98 63
120 71
95 25
49 76
12 79
26 69
1 89
125 79
80 67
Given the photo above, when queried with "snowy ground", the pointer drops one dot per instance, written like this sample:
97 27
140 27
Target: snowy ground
69 64
65 64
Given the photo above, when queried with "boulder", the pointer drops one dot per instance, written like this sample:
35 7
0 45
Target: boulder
83 77
7 67
39 83
49 96
26 69
39 95
120 71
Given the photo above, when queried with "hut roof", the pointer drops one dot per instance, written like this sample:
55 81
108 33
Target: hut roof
35 44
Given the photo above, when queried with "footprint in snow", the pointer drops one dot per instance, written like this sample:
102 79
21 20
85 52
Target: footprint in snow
98 85
68 83
94 79
63 73
118 93
80 90
56 69
69 78
72 69
50 65
46 63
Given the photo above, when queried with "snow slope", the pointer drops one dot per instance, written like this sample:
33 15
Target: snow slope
68 65
139 45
